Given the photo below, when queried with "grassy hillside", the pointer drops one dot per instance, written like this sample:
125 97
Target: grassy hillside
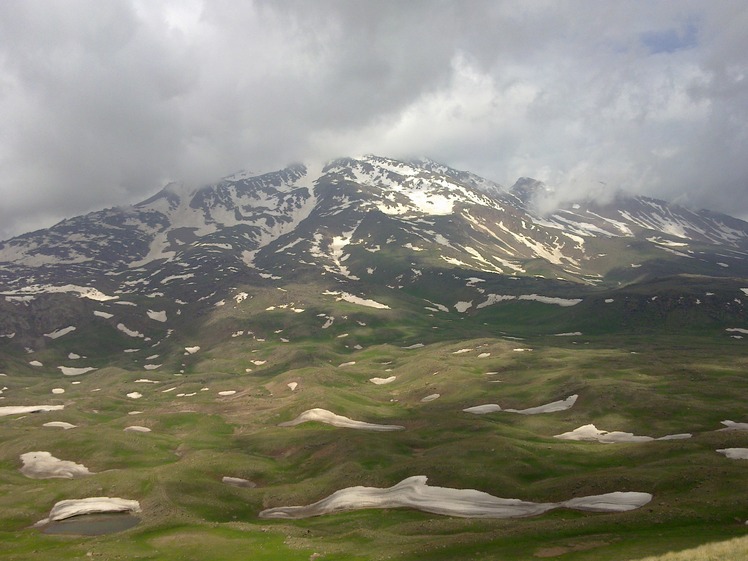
636 376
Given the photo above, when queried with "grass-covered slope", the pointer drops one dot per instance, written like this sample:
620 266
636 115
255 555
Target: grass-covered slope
651 367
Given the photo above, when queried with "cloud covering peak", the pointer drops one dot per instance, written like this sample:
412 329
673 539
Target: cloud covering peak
101 103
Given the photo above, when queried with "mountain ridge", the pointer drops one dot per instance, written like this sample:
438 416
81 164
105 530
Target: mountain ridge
264 204
368 225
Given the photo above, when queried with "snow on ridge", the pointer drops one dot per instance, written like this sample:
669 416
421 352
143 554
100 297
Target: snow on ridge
496 298
668 243
82 291
356 299
170 278
60 332
255 197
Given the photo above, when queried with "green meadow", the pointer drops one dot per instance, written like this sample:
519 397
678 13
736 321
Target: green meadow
639 378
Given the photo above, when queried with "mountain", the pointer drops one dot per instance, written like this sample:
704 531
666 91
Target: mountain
369 223
441 215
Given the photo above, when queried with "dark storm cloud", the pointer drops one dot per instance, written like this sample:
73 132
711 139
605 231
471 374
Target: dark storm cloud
103 102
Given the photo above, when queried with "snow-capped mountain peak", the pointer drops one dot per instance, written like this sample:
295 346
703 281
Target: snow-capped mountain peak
334 217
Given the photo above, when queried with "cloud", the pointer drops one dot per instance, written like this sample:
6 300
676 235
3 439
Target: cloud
102 103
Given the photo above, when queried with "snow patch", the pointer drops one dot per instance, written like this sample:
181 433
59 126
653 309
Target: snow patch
734 453
157 315
591 433
75 371
327 417
413 492
356 300
43 465
60 332
382 381
136 428
20 409
82 291
732 425
496 298
92 505
59 424
463 307
561 405
238 482
123 328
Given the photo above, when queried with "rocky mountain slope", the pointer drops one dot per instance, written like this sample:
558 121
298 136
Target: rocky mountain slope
362 226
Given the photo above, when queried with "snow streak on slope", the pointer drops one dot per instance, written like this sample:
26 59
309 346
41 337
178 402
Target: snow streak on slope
261 209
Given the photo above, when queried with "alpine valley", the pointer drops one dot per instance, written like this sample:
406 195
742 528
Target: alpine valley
374 359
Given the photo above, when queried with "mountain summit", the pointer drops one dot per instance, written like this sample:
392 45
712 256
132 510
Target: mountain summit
440 215
365 222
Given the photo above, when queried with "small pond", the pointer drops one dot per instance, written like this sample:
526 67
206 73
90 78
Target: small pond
92 524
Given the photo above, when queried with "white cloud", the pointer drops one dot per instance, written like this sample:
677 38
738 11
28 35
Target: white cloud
102 103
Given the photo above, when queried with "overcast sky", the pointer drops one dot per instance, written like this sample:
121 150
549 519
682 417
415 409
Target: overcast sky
103 102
